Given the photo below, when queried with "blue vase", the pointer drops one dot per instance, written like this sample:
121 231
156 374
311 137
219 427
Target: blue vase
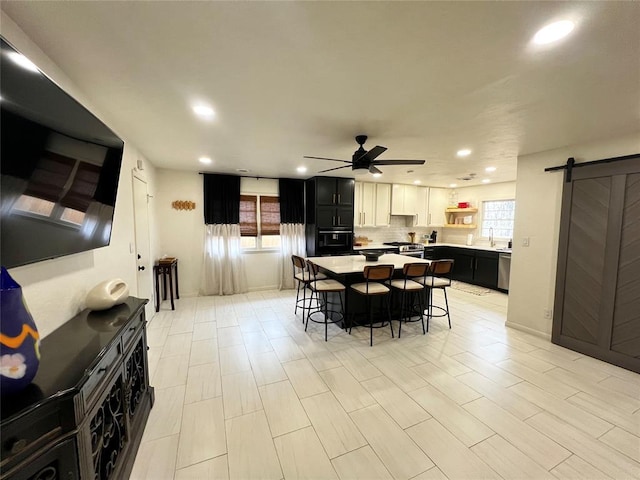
19 338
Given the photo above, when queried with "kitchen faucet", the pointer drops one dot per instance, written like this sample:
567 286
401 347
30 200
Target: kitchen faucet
491 242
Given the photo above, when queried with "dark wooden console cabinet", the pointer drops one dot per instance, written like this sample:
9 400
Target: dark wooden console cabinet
83 415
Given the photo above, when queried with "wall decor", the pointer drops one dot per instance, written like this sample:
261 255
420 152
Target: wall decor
183 205
107 294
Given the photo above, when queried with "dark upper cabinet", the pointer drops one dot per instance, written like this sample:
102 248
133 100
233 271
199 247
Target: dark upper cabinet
334 191
328 217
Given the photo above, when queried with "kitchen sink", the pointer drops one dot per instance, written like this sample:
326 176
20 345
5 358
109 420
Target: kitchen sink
504 249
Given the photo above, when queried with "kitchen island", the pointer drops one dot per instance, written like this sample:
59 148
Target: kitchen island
349 269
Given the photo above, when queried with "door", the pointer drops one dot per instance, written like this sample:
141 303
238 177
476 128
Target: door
438 203
143 244
598 281
383 205
344 191
368 206
326 191
486 271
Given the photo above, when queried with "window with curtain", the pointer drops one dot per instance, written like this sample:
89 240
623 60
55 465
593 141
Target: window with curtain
499 215
259 221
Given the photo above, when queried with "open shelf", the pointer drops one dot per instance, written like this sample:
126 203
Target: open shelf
461 210
460 225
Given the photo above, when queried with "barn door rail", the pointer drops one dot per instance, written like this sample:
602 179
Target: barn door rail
571 164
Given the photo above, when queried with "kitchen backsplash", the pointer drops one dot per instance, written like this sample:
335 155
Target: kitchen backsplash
398 231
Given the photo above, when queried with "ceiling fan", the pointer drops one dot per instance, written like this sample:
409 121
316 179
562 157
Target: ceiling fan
366 160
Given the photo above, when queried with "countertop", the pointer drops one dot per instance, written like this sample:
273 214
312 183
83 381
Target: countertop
341 265
380 246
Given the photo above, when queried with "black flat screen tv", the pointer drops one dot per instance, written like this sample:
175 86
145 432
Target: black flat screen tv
59 168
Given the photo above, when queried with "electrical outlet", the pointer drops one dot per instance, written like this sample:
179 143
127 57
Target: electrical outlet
525 242
547 313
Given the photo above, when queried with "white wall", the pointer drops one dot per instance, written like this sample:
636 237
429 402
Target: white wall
538 204
181 232
476 195
55 289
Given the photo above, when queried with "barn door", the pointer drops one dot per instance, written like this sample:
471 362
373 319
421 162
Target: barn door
597 304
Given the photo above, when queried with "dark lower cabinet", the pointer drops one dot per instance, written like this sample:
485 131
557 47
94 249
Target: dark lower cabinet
84 414
463 263
486 269
478 267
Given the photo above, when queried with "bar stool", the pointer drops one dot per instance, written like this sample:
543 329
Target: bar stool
321 287
438 276
302 278
373 285
411 286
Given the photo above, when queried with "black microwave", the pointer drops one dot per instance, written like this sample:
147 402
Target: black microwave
334 241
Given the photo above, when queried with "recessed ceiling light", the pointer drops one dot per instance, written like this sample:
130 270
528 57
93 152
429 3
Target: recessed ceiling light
453 185
301 169
490 169
23 61
205 160
417 182
243 170
486 180
464 152
553 32
203 111
377 175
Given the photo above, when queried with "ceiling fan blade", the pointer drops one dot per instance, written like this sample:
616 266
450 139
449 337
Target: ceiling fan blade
332 159
375 152
398 162
373 169
331 169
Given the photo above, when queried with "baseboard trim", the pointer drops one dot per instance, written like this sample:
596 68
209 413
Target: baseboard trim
522 328
262 289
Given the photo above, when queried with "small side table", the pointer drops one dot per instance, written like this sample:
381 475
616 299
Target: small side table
166 267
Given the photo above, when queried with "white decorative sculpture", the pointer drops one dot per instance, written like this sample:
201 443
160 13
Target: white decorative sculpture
107 294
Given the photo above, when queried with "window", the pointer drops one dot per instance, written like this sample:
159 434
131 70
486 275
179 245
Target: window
499 215
259 221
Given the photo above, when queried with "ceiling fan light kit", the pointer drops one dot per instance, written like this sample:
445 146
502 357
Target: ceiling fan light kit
364 161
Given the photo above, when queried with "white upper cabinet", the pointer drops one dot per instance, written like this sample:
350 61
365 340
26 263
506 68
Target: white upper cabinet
422 207
438 202
383 205
403 199
364 213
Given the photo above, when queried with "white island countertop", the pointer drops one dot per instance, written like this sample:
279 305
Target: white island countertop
341 265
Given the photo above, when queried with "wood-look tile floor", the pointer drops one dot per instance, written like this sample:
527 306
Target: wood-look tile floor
242 391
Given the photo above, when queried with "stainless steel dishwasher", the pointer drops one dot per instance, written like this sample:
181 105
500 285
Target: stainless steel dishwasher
504 269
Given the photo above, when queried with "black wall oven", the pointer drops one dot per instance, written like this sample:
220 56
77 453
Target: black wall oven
331 241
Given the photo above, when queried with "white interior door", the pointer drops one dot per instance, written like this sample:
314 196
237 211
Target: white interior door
143 246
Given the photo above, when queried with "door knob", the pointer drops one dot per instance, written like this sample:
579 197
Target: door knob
141 267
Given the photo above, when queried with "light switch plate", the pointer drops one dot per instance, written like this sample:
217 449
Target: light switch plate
525 242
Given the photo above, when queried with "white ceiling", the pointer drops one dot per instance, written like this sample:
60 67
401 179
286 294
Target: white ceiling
289 79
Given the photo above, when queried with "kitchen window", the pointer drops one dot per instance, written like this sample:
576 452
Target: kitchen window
499 215
259 222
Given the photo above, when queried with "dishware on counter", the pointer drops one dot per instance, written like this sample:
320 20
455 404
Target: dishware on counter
372 255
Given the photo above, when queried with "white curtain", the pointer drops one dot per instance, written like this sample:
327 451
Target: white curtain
292 243
223 272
